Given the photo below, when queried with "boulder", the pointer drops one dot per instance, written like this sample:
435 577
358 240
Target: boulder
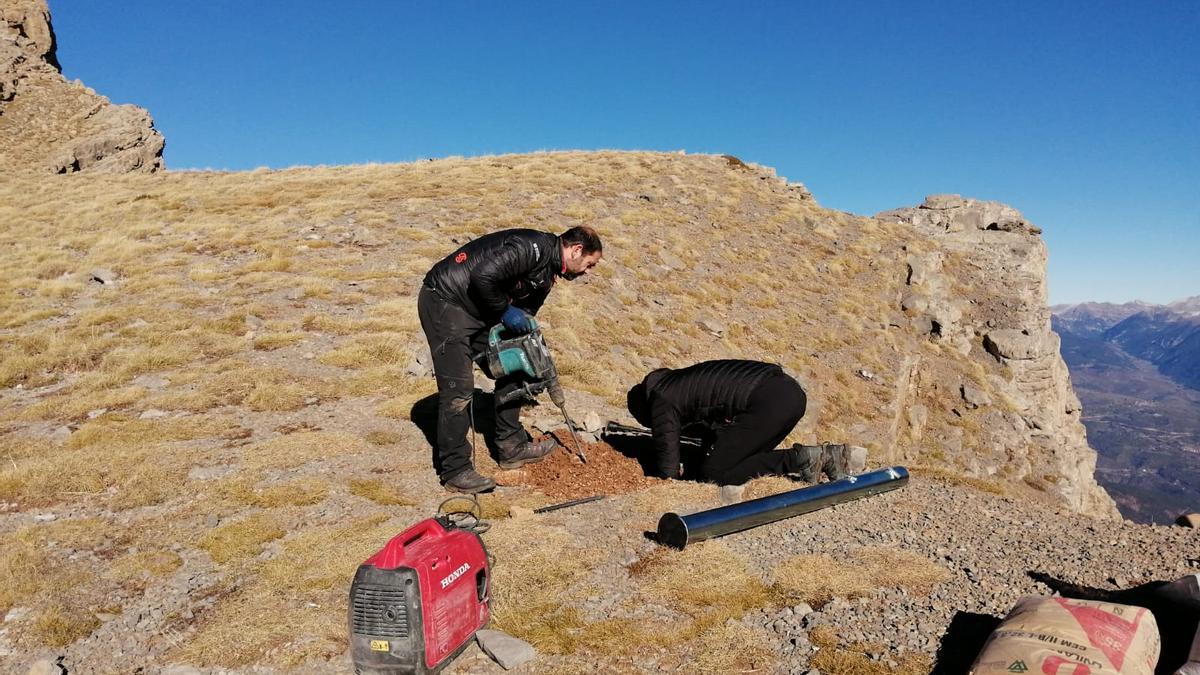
857 461
732 494
504 649
421 364
974 396
180 670
1188 520
592 422
1010 343
102 276
942 202
46 667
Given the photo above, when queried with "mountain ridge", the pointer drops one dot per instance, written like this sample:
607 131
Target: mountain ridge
51 125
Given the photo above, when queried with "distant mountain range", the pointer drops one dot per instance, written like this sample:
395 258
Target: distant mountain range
1136 368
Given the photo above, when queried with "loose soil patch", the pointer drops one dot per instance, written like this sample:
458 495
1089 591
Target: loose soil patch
607 472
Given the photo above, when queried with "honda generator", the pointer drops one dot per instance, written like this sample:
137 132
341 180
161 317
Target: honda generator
417 603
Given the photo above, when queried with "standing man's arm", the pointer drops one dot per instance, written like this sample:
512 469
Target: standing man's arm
666 427
533 302
489 277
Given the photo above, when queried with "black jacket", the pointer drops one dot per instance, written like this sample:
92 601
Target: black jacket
486 274
710 392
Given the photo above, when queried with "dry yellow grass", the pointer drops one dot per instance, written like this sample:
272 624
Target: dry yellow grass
22 571
817 579
707 581
59 626
34 575
731 648
411 390
272 341
382 437
120 466
854 660
947 475
532 589
306 583
379 492
134 566
241 539
676 496
374 350
75 405
769 485
292 450
296 493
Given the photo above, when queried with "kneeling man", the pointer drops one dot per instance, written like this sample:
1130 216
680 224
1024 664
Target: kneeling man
746 408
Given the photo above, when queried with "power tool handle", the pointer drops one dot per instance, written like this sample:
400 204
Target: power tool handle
495 331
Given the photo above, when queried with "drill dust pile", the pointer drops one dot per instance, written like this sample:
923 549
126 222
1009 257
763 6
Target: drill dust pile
215 399
563 476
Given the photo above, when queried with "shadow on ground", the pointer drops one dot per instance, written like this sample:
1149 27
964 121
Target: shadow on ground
424 414
963 641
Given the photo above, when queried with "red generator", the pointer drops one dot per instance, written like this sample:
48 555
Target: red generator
417 603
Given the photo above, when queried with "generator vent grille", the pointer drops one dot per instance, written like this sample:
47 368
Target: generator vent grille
379 611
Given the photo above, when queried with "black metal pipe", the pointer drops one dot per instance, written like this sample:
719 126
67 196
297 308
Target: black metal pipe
678 531
564 505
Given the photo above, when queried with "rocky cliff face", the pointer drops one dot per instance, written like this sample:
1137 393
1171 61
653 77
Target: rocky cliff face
982 288
48 124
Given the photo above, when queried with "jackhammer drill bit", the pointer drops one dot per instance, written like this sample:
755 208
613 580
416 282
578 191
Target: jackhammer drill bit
556 395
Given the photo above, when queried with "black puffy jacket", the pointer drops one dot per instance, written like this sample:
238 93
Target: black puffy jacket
709 392
486 274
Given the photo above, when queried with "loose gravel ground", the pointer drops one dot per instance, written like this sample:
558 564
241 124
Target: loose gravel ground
993 550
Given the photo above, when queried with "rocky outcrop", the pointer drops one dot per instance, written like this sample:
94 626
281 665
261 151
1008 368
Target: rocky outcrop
48 124
981 289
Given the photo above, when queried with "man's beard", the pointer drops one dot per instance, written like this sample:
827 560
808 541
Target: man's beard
571 275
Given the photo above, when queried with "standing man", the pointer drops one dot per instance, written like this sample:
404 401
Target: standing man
503 277
746 408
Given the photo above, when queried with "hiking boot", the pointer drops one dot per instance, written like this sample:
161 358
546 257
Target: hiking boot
835 460
526 453
807 462
470 482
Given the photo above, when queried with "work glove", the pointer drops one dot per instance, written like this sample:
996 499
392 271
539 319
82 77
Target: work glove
518 320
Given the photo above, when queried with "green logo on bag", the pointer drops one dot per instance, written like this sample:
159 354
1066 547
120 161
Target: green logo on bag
1017 667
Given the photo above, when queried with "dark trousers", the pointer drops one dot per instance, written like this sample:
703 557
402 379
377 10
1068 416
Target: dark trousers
454 337
745 447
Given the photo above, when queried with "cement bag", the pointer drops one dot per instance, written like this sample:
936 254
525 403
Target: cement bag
1060 636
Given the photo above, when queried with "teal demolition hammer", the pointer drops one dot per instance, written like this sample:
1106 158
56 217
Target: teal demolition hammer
528 355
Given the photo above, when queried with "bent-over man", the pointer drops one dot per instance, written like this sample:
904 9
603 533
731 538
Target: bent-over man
503 277
745 409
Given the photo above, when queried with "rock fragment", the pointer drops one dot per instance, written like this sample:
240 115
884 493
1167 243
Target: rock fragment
504 649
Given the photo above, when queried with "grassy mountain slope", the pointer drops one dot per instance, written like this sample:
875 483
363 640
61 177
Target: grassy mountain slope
206 378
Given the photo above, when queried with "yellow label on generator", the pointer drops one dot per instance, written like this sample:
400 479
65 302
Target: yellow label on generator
380 646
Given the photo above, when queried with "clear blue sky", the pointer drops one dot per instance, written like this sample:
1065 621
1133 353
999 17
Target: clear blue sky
1084 115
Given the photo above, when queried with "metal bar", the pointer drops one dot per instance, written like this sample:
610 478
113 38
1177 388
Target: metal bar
574 436
563 505
678 531
618 429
